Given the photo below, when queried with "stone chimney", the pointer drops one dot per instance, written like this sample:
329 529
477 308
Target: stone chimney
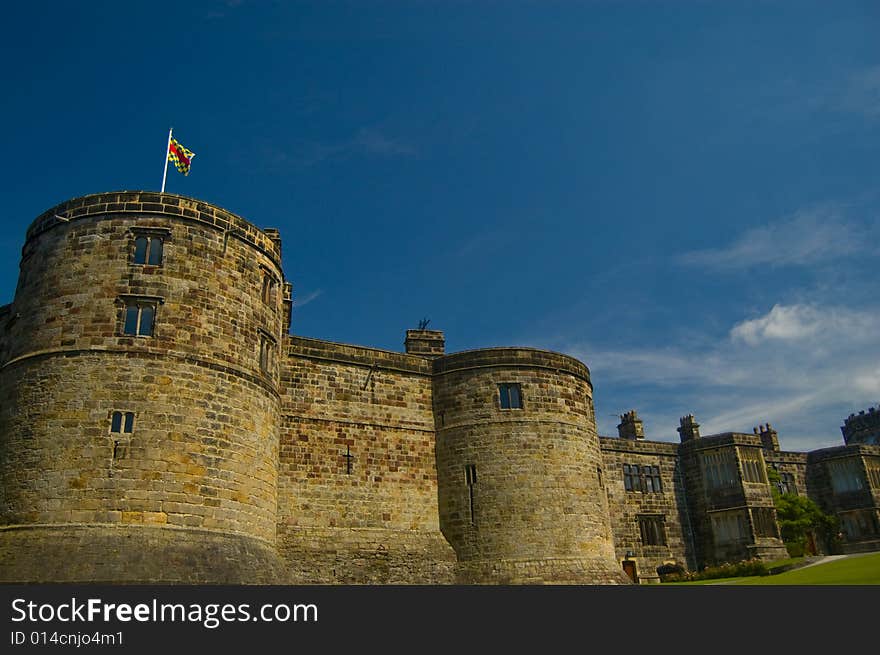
768 436
689 429
630 426
425 343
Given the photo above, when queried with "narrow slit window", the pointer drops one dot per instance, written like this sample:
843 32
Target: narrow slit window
140 250
268 291
155 254
267 353
470 476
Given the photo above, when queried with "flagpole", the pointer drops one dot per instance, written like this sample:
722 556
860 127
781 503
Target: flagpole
167 148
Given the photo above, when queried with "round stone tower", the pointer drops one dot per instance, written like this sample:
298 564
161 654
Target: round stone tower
139 403
520 487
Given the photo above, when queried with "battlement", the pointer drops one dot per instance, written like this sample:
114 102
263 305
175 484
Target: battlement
144 203
505 357
863 427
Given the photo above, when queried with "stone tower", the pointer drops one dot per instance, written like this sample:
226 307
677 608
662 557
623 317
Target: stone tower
139 403
519 468
863 427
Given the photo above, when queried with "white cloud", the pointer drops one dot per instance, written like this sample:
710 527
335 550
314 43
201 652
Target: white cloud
794 322
784 323
807 237
801 367
309 297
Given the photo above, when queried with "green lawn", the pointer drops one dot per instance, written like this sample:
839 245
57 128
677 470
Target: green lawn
856 570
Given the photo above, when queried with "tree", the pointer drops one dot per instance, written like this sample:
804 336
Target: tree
798 517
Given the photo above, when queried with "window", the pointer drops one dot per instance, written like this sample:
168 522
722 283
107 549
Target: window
121 422
764 520
786 484
148 250
652 530
267 352
631 481
874 475
719 469
859 524
642 478
511 396
269 286
752 466
728 527
845 475
140 318
652 479
470 477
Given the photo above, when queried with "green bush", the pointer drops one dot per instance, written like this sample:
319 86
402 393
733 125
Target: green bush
741 569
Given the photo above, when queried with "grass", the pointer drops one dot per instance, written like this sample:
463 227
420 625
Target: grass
855 570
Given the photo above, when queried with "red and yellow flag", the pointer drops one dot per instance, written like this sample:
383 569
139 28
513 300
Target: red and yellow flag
181 157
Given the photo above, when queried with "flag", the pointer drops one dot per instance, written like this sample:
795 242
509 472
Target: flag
181 157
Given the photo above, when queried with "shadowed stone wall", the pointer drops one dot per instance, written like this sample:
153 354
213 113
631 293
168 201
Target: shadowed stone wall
629 507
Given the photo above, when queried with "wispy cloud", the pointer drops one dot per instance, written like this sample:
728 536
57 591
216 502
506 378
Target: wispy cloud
366 141
801 367
306 299
222 9
807 237
861 93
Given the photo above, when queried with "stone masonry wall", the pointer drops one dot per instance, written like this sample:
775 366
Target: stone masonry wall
203 449
864 500
378 522
532 508
625 507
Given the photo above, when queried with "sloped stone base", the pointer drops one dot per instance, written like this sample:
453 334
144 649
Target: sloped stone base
367 556
110 554
563 571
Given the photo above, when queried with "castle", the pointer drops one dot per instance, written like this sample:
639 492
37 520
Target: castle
159 423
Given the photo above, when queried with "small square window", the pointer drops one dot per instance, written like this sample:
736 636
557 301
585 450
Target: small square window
148 250
122 422
510 395
140 318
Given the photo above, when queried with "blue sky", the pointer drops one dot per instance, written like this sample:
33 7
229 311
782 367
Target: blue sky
685 195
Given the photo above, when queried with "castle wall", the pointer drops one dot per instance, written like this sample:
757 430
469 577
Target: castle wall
200 451
376 522
643 502
726 515
357 465
845 481
519 491
793 463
